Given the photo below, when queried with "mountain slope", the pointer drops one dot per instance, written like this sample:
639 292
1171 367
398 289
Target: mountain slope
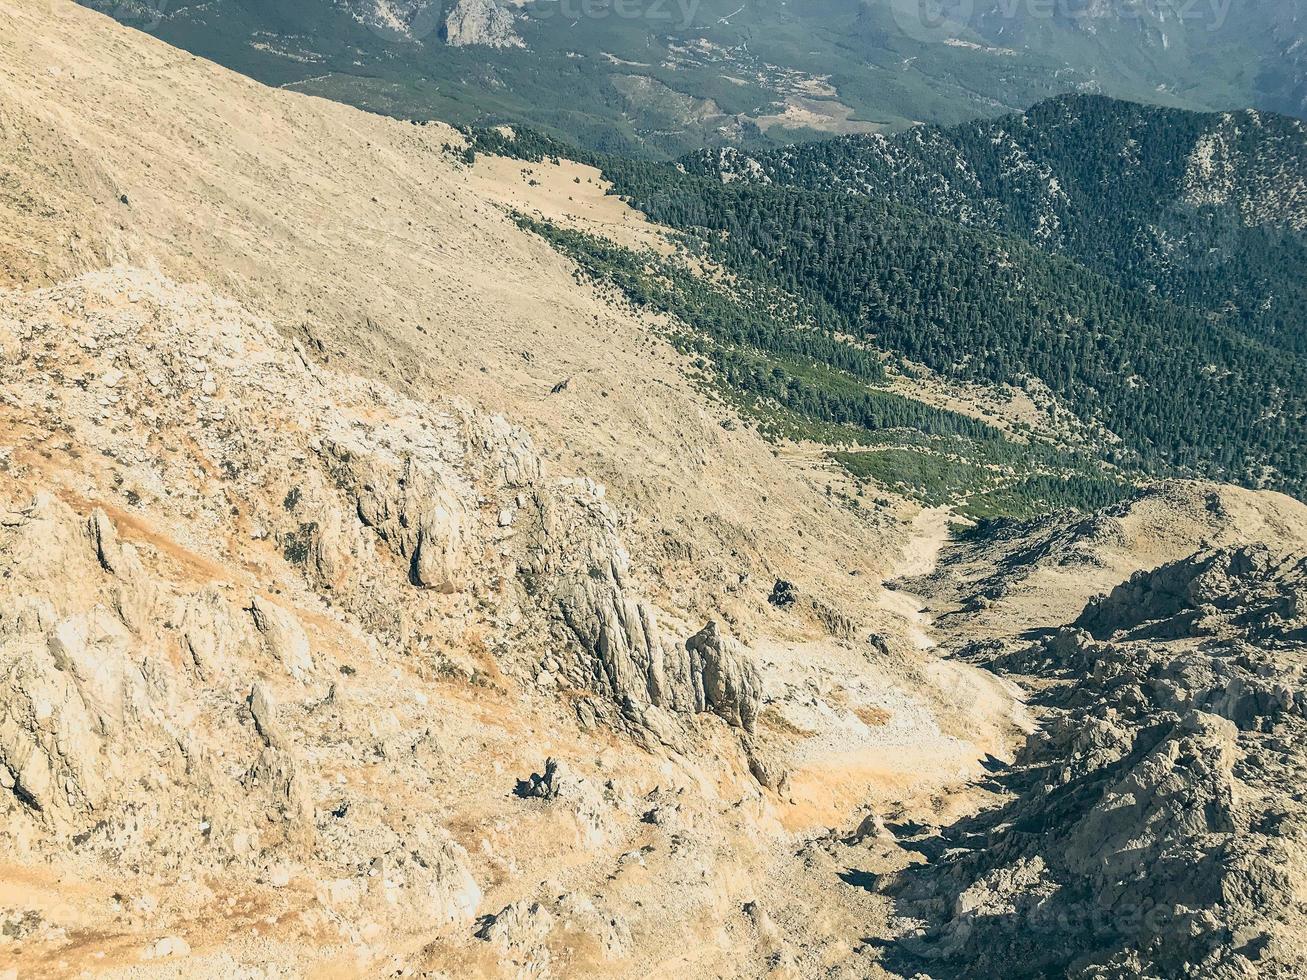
323 652
1211 210
989 257
663 78
290 612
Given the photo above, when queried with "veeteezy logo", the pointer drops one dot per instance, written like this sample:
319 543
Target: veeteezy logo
944 20
677 14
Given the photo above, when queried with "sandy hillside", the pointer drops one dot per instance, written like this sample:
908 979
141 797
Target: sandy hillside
361 238
377 599
306 568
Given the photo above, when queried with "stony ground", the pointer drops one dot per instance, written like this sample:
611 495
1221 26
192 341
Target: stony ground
335 642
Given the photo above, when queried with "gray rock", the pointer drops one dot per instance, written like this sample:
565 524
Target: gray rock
481 22
726 681
285 639
1157 815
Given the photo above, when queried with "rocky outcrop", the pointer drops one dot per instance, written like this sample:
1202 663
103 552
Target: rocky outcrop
576 567
396 20
725 681
557 784
407 501
579 570
50 743
481 22
245 653
1153 831
1249 591
286 641
73 692
520 933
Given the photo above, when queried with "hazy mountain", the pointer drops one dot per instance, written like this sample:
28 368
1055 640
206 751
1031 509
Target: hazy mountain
666 76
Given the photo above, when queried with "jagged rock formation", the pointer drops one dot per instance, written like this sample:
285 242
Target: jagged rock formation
396 20
166 710
725 681
375 515
481 22
1038 573
576 567
1155 830
1251 590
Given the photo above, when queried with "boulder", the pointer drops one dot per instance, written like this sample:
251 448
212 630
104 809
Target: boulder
725 680
284 637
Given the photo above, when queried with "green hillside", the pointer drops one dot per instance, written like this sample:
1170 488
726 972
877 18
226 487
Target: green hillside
1180 387
663 77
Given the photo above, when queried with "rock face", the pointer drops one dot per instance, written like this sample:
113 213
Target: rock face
405 500
181 656
397 20
1153 831
285 638
725 680
481 22
576 566
1249 590
75 688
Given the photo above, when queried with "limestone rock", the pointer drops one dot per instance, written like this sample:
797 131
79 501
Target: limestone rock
406 499
428 872
518 929
481 22
578 567
263 709
104 538
1145 837
284 637
725 679
766 765
50 739
170 947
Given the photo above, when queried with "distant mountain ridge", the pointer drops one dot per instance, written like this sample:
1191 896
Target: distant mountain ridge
663 77
1208 208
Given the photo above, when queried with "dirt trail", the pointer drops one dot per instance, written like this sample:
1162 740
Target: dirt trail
874 740
929 532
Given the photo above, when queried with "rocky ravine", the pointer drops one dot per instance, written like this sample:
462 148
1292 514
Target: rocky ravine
1157 825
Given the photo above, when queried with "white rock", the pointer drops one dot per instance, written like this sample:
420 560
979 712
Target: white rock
169 946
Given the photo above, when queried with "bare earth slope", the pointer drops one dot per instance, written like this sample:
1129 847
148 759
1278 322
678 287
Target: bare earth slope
376 599
289 606
362 238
